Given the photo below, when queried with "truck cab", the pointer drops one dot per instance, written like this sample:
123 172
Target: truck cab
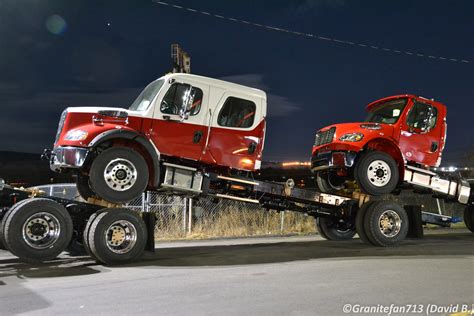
398 131
195 121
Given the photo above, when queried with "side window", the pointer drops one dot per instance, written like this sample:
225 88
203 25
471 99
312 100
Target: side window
422 116
175 97
237 112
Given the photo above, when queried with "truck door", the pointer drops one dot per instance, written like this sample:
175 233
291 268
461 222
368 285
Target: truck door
421 138
181 134
237 133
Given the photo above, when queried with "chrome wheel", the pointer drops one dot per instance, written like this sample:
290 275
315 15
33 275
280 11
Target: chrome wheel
41 230
379 173
120 174
390 223
121 236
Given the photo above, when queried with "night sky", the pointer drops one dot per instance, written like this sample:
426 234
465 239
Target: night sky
55 54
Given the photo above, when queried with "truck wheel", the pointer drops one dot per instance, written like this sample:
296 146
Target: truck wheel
469 217
119 175
38 230
329 182
117 236
376 173
359 223
85 234
331 229
83 187
3 244
385 223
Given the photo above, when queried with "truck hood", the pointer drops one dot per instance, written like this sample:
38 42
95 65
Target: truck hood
96 109
365 128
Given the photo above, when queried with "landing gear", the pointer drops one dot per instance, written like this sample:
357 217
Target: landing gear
334 229
376 173
119 175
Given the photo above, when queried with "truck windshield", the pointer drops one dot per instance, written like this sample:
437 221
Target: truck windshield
387 112
147 96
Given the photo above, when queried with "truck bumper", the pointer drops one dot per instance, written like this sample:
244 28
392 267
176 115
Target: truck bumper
67 157
332 159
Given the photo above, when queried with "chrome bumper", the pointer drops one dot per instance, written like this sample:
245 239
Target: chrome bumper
332 159
67 157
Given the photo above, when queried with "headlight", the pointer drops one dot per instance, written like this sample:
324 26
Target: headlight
352 137
76 134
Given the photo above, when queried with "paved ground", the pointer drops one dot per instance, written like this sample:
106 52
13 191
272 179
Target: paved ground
259 276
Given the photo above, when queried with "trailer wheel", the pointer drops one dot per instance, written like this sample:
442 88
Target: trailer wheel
117 236
83 187
329 182
359 223
119 175
38 230
376 173
332 229
385 223
469 217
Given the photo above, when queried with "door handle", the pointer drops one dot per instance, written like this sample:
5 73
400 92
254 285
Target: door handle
197 137
252 147
434 146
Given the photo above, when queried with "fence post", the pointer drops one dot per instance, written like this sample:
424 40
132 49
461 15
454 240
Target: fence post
144 202
185 206
190 214
282 221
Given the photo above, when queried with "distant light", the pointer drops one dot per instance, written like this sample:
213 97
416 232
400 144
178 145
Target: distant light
451 169
108 23
55 24
295 163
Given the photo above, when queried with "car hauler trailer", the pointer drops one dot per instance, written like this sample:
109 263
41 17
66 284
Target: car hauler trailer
38 228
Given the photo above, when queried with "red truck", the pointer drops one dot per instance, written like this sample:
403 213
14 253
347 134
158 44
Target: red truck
188 120
403 130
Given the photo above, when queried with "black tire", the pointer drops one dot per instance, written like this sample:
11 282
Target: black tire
83 187
85 234
330 229
384 169
359 223
37 230
121 250
329 182
469 217
2 223
396 216
76 248
128 175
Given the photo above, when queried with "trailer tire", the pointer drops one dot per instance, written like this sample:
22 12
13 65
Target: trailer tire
376 173
469 217
117 236
118 175
385 223
359 222
38 230
329 229
84 188
328 182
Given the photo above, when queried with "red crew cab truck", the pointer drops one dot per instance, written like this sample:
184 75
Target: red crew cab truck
400 131
193 121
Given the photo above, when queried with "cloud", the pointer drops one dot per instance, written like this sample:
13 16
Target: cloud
277 105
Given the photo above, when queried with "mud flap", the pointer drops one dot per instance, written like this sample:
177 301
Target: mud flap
150 220
415 227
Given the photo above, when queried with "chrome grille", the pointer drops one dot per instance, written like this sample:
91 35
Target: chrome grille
325 137
61 125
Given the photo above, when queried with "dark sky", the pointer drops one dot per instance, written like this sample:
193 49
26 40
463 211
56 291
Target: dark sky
55 54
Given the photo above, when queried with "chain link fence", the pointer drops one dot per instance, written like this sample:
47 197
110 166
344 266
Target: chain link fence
182 217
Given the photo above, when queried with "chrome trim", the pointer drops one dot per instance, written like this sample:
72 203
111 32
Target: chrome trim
68 157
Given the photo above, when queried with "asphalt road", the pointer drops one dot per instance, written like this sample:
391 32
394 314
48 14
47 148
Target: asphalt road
259 276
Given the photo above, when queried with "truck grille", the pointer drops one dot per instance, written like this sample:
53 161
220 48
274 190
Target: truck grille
61 125
324 137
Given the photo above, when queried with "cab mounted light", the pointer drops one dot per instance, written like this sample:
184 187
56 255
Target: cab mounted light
352 137
371 126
